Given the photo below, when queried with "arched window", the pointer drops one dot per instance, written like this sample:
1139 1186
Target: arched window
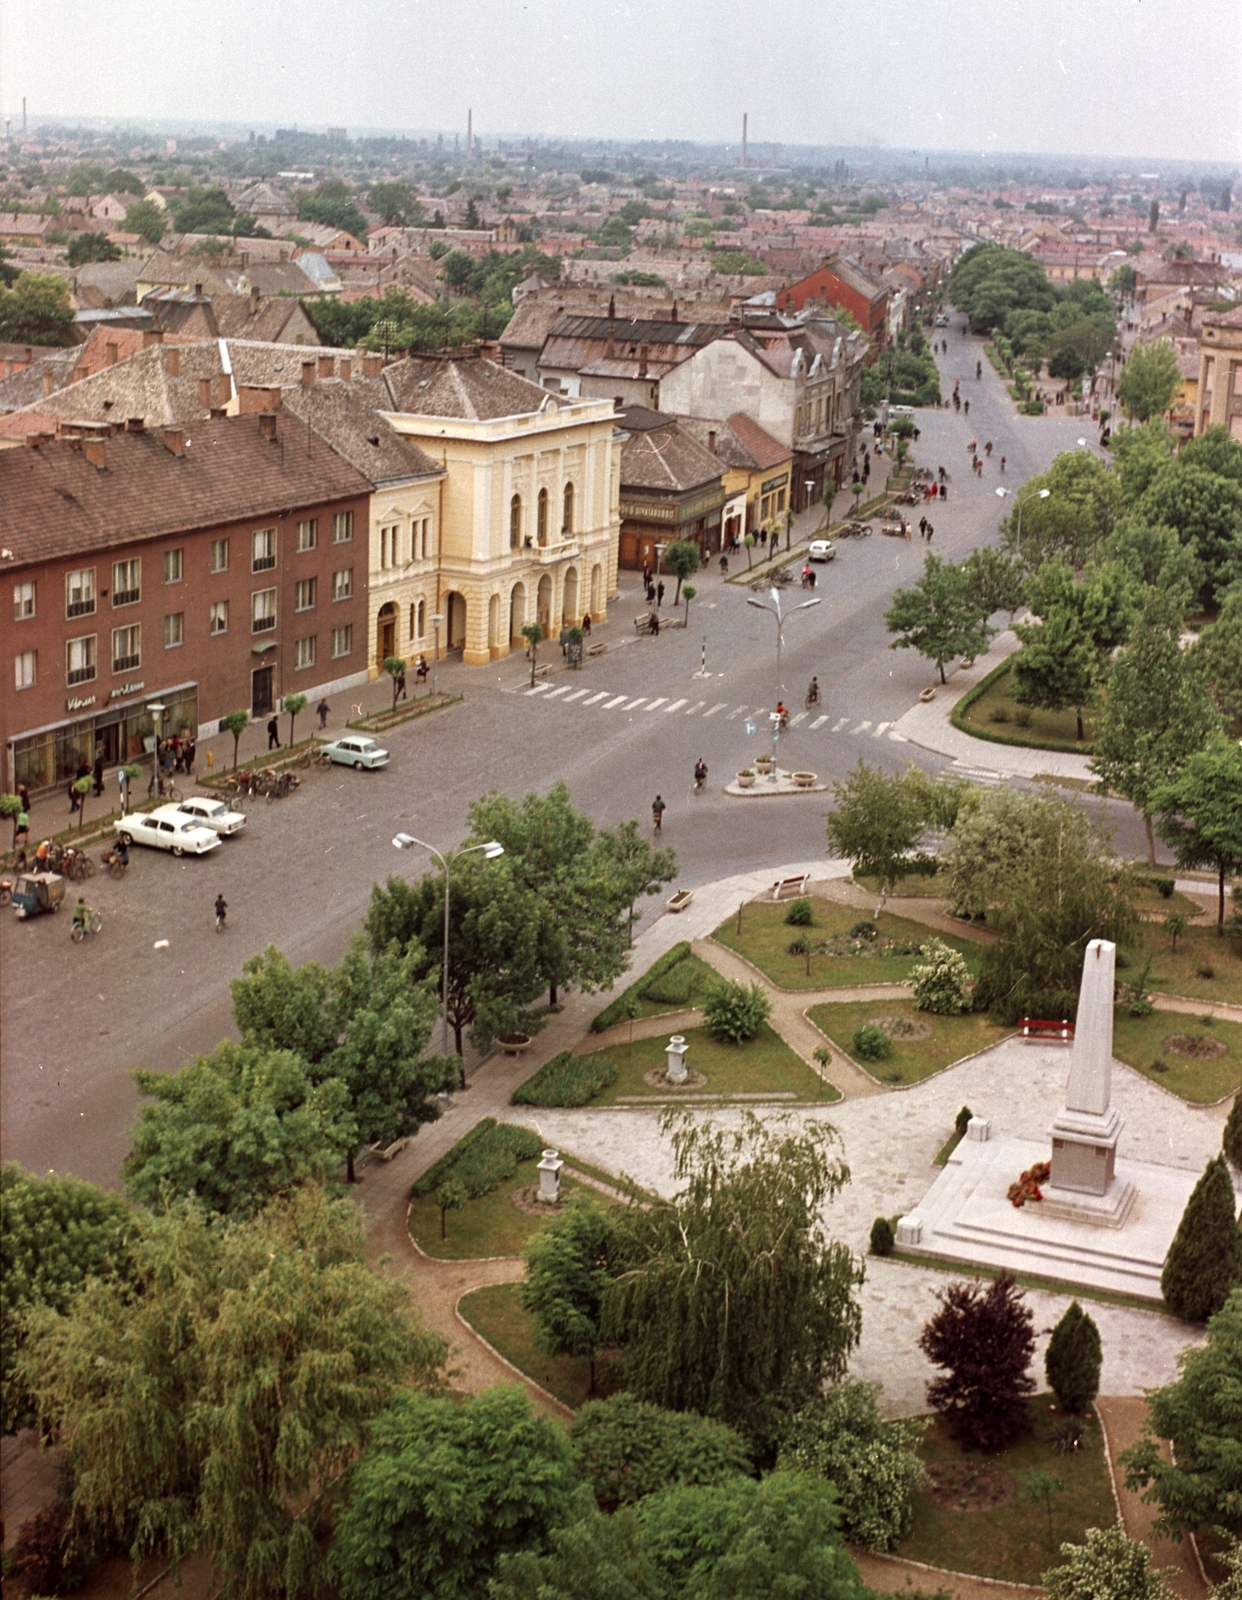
543 516
422 619
567 516
515 523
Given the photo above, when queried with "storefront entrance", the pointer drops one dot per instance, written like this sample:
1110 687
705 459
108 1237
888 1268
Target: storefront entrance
261 703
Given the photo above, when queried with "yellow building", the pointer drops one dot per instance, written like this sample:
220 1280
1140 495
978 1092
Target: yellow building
1218 392
530 518
757 470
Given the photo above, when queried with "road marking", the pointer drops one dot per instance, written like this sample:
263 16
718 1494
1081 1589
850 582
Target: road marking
540 688
795 720
602 695
735 713
697 706
862 726
654 705
577 695
674 706
564 689
879 732
841 724
615 701
900 737
715 709
818 723
635 703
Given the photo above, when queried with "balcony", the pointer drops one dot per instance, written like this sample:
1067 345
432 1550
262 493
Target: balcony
124 663
124 597
262 624
262 563
81 675
81 608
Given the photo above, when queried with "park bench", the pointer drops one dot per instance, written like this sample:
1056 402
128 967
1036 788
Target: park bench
1045 1032
394 1149
597 649
793 886
543 669
643 624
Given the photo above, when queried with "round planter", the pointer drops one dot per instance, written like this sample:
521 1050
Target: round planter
804 780
514 1043
746 780
764 763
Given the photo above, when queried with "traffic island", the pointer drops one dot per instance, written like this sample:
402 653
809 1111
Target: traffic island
757 785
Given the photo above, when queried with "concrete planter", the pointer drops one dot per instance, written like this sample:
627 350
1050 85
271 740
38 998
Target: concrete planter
680 900
804 780
513 1044
745 780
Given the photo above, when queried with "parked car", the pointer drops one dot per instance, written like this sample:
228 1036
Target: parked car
355 751
212 814
168 828
901 411
942 321
821 550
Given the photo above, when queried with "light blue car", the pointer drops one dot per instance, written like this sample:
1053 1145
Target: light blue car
356 751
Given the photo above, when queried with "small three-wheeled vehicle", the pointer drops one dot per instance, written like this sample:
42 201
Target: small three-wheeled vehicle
37 891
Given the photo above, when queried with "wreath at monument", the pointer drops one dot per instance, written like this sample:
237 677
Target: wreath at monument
1028 1185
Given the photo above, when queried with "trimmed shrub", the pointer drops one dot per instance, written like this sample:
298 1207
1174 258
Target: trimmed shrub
566 1080
962 1121
482 1159
1231 1143
734 1012
864 930
882 1237
871 1043
800 914
940 983
674 987
627 1449
614 1011
1073 1359
1205 1259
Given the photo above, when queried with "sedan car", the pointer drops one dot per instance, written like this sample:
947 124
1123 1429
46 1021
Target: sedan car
821 550
355 751
168 828
942 321
209 813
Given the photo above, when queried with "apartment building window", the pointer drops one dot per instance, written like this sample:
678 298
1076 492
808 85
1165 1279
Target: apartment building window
390 546
126 582
515 523
126 647
174 629
218 556
342 641
542 517
308 534
172 566
80 660
423 536
219 622
23 601
798 420
343 584
304 593
567 512
304 653
262 610
80 592
24 669
263 549
342 527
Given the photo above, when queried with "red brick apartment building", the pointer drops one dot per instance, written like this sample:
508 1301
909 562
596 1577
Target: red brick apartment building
844 283
210 569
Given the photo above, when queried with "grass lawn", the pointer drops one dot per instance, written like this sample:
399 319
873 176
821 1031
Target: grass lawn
690 975
764 1065
1011 1542
489 1226
1139 1041
951 1038
1151 903
916 886
498 1314
1200 947
765 938
1061 725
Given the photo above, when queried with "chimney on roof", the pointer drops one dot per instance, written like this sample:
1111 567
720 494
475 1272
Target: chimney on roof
325 366
172 362
198 291
711 440
612 307
49 383
346 368
255 296
267 425
642 360
152 336
252 397
174 441
135 425
110 353
93 450
308 372
204 393
372 366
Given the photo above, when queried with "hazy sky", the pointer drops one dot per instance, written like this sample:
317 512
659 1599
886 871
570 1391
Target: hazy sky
1155 78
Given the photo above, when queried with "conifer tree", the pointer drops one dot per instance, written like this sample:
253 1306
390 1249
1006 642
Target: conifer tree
1205 1259
1072 1360
1231 1144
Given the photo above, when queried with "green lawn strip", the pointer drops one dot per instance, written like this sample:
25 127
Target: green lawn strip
998 697
764 1065
966 716
914 887
691 974
1012 1542
1151 903
498 1315
491 1225
614 1011
765 938
911 1060
381 721
1028 1280
614 1180
941 1158
1139 1041
1178 972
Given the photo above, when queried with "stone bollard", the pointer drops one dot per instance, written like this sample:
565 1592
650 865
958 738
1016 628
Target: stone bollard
979 1129
675 1050
550 1177
909 1231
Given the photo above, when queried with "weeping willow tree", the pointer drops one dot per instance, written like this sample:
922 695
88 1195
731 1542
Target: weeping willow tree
730 1299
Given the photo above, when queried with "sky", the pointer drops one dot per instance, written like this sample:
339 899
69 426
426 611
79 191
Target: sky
1125 78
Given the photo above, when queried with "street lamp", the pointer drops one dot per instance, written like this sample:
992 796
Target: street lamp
1039 494
156 709
437 618
774 609
492 849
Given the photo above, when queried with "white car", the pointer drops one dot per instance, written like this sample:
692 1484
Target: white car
821 550
168 828
213 814
901 411
355 750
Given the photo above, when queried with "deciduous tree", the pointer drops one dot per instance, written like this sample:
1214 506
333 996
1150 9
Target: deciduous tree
1205 508
1151 379
567 1274
36 310
627 1449
1220 648
640 869
940 617
1201 813
147 219
1109 1566
984 1340
996 581
877 822
1073 522
682 560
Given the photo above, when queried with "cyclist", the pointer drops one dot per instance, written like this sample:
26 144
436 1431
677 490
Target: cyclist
120 851
222 907
700 773
812 693
82 915
782 713
658 809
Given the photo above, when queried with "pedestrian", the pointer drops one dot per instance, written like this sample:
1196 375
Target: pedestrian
944 493
21 830
273 734
169 760
724 564
987 449
922 527
856 478
655 624
965 408
930 531
188 750
74 798
420 676
322 709
586 624
42 854
174 744
1002 463
646 575
122 784
97 771
401 694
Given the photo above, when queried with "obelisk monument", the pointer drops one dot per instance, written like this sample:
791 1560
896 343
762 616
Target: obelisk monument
1086 1129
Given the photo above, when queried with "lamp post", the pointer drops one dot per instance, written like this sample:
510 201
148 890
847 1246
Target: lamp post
1008 494
492 849
437 617
774 609
157 710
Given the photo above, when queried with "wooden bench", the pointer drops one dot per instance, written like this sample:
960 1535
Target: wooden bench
1045 1032
793 886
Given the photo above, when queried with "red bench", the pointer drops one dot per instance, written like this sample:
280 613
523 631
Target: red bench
1047 1032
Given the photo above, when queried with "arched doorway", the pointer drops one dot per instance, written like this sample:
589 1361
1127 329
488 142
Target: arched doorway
517 613
456 622
544 604
569 596
385 634
596 585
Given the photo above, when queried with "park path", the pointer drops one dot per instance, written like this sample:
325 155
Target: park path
892 1575
1123 1419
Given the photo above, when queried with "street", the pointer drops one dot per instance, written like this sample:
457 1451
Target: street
78 1018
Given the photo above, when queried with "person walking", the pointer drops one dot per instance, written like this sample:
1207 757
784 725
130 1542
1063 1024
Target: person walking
944 493
21 831
987 449
421 669
586 624
1002 463
922 527
322 712
930 531
655 624
188 752
98 770
401 694
978 370
122 784
965 408
659 594
273 734
646 575
658 808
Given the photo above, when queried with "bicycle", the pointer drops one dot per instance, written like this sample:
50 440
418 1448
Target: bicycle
79 930
77 866
115 862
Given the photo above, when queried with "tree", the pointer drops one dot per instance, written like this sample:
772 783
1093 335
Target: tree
687 594
533 634
566 1277
1124 279
1217 450
84 247
36 310
295 704
333 205
1073 1360
995 581
1153 216
1201 1486
734 1012
729 1299
279 1007
397 203
450 1196
1150 382
1231 1139
640 869
877 822
1155 557
1157 711
121 181
87 178
236 723
874 1464
146 219
55 1233
594 1558
219 1404
1220 648
626 1449
1204 1262
940 616
984 1340
682 560
445 1489
395 667
235 1128
82 787
1073 522
1058 666
1039 1485
1206 510
458 269
205 210
1201 813
1109 1566
941 983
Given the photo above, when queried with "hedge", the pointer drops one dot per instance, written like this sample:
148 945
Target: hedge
614 1011
482 1159
958 718
566 1080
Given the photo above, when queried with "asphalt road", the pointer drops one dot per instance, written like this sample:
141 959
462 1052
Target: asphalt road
77 1019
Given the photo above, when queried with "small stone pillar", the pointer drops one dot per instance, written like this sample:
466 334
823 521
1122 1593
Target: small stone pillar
675 1050
550 1177
979 1129
909 1231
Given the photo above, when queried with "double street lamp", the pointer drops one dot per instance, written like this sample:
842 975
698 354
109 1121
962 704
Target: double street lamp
1039 494
492 849
774 609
